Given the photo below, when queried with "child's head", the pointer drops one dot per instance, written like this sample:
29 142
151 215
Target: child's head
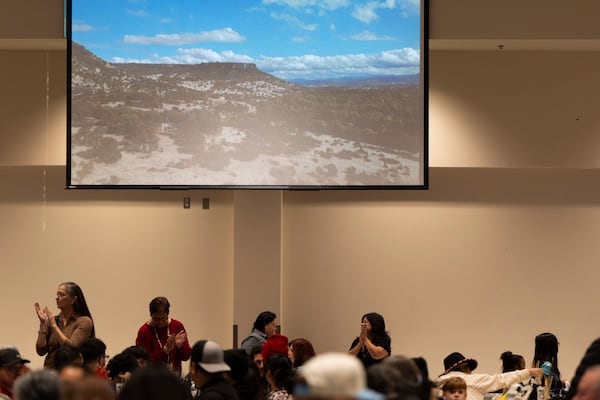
454 388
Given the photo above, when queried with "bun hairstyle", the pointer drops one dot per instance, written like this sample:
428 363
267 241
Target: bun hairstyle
511 362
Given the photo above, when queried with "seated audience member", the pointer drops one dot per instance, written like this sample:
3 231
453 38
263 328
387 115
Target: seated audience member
515 362
164 337
155 382
72 373
256 358
397 377
93 352
264 326
588 387
207 365
120 368
258 366
454 388
67 356
428 389
301 350
279 374
140 354
457 365
590 358
245 380
89 387
406 366
546 351
12 366
512 362
38 385
68 362
330 376
386 379
275 344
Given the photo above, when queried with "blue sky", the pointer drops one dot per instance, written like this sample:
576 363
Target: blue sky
291 39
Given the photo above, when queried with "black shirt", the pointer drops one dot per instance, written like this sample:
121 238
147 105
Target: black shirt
217 389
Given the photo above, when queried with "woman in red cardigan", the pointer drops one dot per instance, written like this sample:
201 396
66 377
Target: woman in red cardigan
163 337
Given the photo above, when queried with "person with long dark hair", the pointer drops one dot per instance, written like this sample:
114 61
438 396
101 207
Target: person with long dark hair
263 327
373 343
71 327
546 351
281 377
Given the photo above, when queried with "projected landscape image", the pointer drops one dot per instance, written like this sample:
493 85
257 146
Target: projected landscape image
263 93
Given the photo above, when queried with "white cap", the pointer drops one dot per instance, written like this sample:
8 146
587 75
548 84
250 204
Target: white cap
337 375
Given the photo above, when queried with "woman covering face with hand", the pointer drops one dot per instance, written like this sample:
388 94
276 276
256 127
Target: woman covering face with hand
71 327
373 343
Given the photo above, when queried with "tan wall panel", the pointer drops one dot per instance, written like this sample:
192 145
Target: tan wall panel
33 107
123 248
257 257
534 19
513 109
38 19
479 264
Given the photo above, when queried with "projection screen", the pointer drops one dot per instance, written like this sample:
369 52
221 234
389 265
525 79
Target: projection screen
292 94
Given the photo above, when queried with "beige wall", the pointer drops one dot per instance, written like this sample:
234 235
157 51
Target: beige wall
481 263
501 247
122 247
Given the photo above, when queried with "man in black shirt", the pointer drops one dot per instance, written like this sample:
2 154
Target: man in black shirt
206 370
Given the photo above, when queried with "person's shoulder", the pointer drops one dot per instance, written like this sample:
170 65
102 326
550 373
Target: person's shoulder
176 322
251 338
84 320
218 390
144 328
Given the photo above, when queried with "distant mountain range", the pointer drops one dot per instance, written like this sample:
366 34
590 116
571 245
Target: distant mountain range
361 81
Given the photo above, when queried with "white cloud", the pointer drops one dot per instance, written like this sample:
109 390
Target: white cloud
166 20
309 66
138 13
190 56
395 62
178 39
325 4
411 7
369 36
292 20
81 28
367 12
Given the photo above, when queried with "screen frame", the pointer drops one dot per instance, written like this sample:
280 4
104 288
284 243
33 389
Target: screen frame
424 161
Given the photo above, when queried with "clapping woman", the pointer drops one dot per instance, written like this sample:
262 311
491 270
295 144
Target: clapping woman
71 327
